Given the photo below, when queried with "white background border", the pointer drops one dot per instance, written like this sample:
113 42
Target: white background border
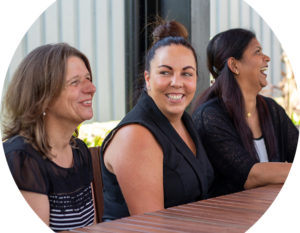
283 17
16 17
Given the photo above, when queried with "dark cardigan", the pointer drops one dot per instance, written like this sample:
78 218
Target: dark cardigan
230 160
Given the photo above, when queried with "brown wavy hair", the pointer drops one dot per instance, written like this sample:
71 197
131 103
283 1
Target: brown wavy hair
37 82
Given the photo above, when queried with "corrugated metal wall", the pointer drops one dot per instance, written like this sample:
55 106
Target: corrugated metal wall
96 27
227 14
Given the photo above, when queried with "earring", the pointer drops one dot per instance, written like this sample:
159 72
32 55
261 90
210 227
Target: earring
148 88
237 72
44 113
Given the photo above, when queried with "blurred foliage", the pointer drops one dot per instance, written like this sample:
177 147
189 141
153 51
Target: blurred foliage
94 133
289 97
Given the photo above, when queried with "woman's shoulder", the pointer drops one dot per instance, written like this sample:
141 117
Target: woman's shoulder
139 125
270 100
26 165
16 142
211 107
17 146
273 106
133 133
82 150
80 144
130 138
129 144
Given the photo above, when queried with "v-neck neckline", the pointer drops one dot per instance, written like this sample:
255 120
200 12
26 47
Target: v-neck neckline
168 129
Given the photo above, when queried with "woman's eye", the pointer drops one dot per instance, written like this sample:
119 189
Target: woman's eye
187 74
164 72
74 83
258 51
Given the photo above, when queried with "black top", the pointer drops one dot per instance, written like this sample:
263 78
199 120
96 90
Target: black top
231 161
186 177
68 189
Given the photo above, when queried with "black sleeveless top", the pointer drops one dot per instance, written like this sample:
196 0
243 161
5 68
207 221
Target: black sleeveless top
186 177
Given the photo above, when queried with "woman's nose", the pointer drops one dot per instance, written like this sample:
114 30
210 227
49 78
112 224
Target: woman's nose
176 81
267 58
89 87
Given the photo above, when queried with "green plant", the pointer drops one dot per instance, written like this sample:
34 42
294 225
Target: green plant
295 119
93 134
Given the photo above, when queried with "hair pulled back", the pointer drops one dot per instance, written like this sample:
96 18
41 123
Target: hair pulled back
167 33
233 43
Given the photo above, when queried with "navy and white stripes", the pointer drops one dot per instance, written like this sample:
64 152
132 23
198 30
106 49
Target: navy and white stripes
68 211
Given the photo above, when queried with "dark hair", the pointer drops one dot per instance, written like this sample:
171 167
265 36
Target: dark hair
165 33
233 43
38 81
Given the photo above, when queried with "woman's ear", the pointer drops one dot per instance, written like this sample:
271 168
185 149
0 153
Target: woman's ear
232 65
147 79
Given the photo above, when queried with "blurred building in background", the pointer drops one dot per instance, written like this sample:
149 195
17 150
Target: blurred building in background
115 34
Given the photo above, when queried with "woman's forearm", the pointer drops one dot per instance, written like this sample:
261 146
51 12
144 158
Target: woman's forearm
267 173
39 203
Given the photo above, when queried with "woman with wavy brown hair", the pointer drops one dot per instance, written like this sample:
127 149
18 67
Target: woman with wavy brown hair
154 159
49 95
249 138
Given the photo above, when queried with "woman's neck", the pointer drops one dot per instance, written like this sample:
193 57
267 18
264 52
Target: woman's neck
250 103
184 134
59 134
175 121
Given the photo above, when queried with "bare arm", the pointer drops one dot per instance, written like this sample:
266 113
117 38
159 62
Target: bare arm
39 203
136 159
267 173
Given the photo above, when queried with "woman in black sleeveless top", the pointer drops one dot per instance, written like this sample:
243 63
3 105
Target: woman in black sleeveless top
154 159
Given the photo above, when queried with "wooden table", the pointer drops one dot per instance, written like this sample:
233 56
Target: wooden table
230 213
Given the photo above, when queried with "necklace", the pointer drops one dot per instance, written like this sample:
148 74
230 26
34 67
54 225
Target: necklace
249 114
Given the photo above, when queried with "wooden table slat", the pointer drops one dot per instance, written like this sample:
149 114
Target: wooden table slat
180 225
234 213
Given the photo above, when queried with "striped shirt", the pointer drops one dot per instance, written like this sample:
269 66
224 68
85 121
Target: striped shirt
68 211
68 189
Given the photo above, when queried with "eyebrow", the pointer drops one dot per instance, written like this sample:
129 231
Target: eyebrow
166 66
188 67
74 77
169 67
78 76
